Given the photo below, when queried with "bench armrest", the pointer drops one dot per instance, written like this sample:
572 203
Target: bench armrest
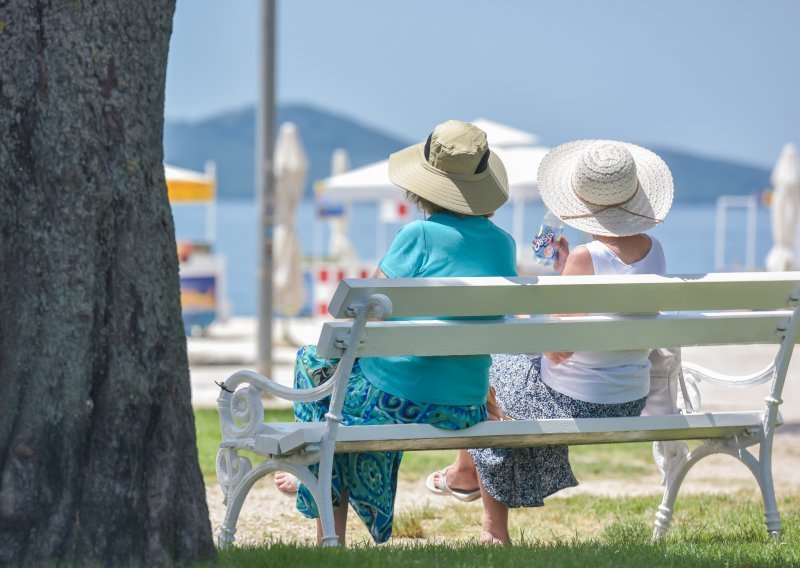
732 381
241 412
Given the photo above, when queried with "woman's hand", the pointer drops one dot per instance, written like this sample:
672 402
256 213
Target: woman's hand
558 356
562 248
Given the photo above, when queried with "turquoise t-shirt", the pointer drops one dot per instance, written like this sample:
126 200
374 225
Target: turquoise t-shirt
444 245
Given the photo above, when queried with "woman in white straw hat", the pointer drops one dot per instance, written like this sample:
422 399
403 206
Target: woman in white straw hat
614 191
459 183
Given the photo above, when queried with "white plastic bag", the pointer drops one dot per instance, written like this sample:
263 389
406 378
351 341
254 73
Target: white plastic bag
668 396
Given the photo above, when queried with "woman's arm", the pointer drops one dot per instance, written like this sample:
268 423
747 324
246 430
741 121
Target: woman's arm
578 263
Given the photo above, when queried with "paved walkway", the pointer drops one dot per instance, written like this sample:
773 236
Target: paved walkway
231 346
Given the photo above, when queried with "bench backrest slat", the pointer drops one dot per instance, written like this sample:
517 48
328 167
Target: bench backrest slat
525 335
416 297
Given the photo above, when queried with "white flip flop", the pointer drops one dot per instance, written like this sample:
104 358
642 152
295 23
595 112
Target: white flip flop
444 490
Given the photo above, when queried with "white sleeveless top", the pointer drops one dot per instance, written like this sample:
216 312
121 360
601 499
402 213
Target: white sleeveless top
607 377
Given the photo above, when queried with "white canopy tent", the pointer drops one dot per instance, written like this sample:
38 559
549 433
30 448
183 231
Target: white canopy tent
502 135
340 249
518 150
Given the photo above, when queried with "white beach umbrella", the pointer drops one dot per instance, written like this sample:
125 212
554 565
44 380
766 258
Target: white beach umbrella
291 166
784 210
340 249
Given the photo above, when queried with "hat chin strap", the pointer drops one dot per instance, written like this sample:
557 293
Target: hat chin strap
607 207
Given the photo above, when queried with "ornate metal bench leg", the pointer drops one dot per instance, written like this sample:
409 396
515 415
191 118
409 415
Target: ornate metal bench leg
762 471
325 501
227 531
663 520
771 516
236 476
675 466
329 536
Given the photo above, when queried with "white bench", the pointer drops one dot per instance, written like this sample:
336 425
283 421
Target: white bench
629 313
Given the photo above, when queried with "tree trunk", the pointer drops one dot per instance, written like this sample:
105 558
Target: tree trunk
97 443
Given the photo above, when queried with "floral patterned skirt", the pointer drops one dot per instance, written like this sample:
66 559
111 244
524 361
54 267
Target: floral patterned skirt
523 477
370 478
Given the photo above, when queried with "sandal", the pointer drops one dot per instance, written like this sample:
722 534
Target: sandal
292 491
443 489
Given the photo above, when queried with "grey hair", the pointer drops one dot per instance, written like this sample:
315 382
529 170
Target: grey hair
431 208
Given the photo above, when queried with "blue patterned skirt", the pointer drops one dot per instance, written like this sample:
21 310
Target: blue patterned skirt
523 477
370 478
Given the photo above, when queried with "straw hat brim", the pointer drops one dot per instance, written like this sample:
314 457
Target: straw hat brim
648 207
476 194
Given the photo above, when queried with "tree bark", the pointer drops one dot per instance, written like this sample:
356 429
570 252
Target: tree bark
98 458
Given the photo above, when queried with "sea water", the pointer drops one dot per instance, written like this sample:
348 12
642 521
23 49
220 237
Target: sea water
687 237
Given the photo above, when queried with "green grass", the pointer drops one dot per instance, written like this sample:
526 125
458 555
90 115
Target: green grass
594 554
583 530
610 461
709 530
571 554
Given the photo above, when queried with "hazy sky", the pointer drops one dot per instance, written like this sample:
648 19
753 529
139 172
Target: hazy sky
717 77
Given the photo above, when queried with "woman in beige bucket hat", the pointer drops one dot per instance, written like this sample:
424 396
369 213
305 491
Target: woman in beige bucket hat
615 191
455 178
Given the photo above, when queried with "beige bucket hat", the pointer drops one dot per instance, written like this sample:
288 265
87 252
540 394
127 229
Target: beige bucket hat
604 187
453 169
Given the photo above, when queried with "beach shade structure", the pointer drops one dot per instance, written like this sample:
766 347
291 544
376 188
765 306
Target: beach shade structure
290 167
192 188
202 271
505 136
340 249
785 206
518 150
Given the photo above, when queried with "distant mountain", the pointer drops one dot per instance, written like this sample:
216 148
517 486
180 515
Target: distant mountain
704 179
229 140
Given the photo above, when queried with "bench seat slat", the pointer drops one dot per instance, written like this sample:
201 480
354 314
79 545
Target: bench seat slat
446 297
519 433
589 333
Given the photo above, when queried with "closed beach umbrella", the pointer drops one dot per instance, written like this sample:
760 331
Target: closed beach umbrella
340 248
291 166
784 210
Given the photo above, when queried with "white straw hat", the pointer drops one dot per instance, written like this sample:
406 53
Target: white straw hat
453 169
605 187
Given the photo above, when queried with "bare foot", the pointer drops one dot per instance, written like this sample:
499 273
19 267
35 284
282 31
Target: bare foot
494 522
286 482
487 538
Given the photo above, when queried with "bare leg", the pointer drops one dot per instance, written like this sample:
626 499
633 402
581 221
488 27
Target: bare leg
494 525
461 475
339 520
